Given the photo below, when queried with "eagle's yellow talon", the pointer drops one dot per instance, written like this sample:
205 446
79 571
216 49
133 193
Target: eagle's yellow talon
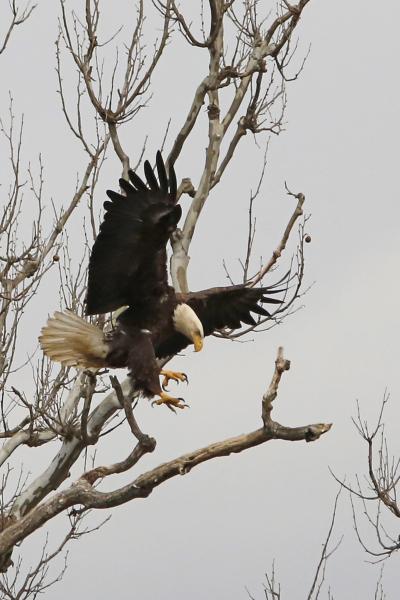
170 402
174 375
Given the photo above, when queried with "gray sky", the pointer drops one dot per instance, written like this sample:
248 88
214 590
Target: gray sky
217 530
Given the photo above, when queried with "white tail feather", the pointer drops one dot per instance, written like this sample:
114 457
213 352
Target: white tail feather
70 340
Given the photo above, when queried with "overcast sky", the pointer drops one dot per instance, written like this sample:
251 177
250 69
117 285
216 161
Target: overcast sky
214 532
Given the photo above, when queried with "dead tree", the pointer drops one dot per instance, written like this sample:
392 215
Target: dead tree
243 91
374 496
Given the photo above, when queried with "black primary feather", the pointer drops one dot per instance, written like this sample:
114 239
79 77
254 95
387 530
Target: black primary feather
137 182
162 174
150 177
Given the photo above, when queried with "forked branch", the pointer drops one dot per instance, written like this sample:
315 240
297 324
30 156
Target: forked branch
18 16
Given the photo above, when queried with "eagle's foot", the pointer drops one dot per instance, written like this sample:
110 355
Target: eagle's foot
170 401
174 375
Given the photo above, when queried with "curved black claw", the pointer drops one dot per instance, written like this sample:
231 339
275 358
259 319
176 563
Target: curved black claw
170 401
182 404
174 376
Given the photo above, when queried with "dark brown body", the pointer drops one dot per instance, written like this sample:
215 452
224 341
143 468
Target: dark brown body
140 332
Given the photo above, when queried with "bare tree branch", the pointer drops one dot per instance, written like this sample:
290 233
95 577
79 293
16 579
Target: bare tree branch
380 487
257 48
18 16
81 492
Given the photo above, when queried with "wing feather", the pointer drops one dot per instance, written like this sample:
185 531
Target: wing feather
135 228
162 174
150 177
173 186
218 308
126 187
229 306
137 181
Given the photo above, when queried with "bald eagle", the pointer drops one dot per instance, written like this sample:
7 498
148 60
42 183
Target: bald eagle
128 268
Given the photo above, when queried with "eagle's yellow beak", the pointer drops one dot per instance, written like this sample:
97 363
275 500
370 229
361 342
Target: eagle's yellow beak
198 342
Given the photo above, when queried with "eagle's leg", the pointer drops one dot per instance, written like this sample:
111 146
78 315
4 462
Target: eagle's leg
170 401
174 375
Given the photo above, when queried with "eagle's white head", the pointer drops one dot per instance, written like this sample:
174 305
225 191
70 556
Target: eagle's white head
188 323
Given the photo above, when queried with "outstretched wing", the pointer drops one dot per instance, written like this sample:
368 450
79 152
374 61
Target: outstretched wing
230 306
129 252
222 307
